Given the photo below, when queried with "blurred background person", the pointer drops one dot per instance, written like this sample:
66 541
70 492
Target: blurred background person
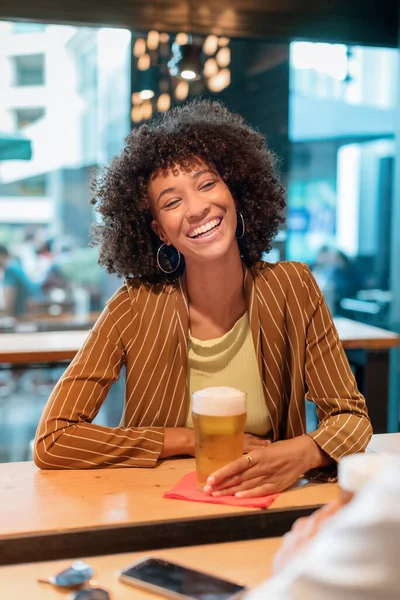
18 289
337 277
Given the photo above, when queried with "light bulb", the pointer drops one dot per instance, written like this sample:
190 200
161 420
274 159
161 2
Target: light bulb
223 41
210 67
144 62
136 114
153 38
147 110
220 81
224 57
163 102
139 48
210 44
182 90
146 94
136 99
182 38
188 74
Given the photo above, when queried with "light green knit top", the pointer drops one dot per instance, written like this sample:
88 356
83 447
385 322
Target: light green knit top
230 361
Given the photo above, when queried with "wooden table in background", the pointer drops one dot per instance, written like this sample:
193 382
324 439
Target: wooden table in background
55 346
359 335
247 563
40 347
367 348
56 514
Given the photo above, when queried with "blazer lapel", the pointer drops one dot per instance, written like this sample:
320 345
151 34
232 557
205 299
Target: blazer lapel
254 317
257 316
181 314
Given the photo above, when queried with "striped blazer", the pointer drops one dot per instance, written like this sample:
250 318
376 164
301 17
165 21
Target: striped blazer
146 328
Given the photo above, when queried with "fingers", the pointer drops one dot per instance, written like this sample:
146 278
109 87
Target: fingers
242 465
237 486
262 490
253 441
242 474
247 489
226 473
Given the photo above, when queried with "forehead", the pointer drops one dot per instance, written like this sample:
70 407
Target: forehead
190 166
167 179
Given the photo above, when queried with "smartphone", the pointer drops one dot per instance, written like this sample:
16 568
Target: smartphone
175 581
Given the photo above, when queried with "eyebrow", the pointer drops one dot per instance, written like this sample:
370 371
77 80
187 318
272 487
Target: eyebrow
199 173
166 191
195 176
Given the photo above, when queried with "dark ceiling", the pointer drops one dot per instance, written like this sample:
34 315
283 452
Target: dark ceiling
353 21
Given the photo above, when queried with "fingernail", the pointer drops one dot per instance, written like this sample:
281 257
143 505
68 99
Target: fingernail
239 495
216 494
211 480
207 488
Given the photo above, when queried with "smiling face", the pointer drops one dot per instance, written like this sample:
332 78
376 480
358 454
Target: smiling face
194 211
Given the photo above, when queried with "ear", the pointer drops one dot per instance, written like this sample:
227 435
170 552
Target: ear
159 231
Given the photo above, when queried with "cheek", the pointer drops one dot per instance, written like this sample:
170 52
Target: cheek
171 223
229 202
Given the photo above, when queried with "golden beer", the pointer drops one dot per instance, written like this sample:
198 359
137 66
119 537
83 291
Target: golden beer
219 417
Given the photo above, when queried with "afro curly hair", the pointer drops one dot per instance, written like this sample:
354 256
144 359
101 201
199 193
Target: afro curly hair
199 130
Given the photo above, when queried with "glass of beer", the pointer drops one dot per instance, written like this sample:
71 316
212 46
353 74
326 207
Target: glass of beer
219 417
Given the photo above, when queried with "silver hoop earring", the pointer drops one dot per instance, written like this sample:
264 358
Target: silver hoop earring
158 261
239 237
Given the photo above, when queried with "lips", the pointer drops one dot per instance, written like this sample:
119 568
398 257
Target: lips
206 229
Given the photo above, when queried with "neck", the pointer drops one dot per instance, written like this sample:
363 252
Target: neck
215 290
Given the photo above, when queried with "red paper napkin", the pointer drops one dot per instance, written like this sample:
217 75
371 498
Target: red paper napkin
186 489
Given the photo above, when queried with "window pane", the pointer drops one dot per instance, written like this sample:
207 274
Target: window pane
65 102
27 116
29 69
64 112
28 27
343 102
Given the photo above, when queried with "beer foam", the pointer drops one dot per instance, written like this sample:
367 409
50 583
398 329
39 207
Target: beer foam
220 401
356 470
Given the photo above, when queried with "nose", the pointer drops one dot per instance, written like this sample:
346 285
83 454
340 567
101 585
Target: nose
197 207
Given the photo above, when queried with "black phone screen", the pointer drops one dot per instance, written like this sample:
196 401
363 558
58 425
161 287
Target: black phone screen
181 580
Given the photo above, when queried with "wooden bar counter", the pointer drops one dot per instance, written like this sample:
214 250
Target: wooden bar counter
247 563
62 514
56 514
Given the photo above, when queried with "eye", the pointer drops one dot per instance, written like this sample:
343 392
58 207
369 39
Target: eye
171 204
208 185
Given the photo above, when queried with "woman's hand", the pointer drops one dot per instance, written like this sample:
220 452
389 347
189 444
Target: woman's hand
266 470
251 442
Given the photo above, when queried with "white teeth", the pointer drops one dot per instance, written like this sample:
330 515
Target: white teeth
204 228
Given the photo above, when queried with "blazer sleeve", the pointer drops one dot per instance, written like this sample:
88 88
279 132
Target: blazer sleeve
66 438
344 425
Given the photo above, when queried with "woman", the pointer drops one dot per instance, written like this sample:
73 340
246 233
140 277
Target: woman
187 210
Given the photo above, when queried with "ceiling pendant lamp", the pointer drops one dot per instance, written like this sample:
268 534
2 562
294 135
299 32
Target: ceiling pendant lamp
186 62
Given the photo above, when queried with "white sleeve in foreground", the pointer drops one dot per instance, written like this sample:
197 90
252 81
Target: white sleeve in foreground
356 554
